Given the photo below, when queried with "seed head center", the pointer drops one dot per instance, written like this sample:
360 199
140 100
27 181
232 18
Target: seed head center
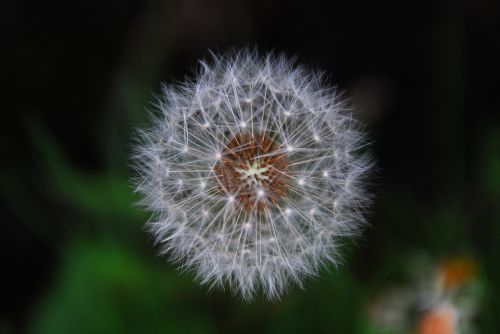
253 173
253 169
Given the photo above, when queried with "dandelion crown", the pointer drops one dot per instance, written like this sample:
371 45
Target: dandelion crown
253 172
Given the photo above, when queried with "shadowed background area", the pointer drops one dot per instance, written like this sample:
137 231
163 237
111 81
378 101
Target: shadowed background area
80 76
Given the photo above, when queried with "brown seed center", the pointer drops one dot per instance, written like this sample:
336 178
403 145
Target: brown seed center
253 169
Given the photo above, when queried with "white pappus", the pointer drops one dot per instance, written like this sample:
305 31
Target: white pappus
253 170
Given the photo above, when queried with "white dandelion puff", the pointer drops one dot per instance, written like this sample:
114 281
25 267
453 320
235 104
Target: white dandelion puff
253 171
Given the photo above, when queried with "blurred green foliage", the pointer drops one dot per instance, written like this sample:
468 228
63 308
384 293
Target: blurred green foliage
103 287
110 281
107 288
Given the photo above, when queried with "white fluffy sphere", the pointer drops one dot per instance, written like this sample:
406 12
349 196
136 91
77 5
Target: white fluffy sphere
253 171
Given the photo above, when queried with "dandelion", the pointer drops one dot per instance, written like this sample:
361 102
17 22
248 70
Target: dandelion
253 170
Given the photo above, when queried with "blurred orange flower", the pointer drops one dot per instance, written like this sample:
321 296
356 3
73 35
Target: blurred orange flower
455 272
438 321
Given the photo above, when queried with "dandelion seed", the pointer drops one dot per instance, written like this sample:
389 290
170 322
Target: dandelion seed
267 227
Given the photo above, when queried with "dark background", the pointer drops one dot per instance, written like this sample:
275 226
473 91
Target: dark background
78 76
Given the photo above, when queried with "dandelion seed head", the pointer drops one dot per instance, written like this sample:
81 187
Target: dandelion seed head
253 171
